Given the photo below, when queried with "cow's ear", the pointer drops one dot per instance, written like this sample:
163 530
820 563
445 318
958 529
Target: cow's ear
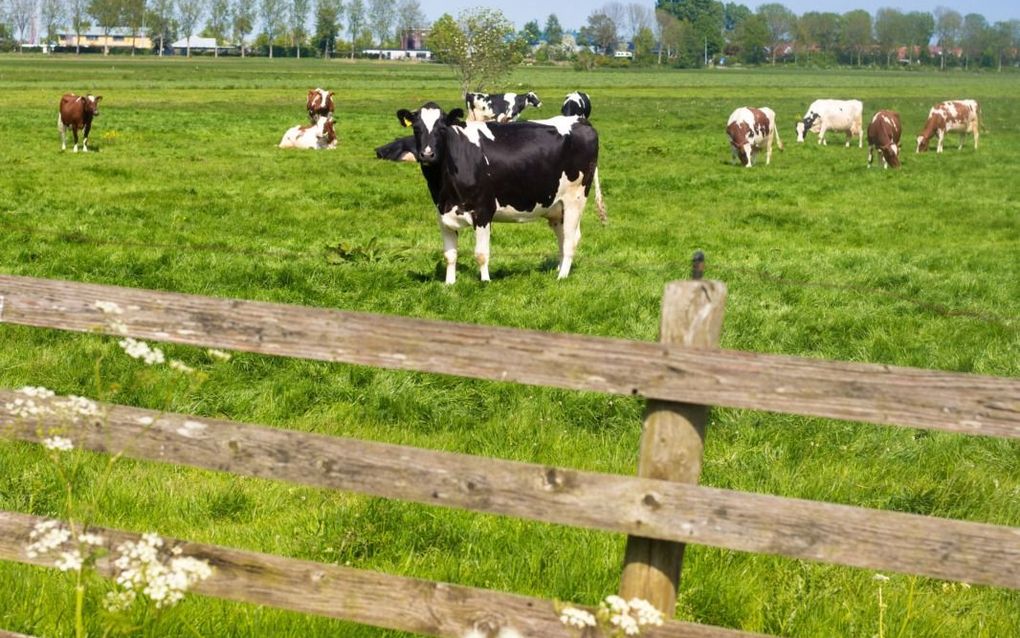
406 117
98 97
456 116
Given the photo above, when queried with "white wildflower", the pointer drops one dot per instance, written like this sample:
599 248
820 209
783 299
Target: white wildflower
38 392
27 408
141 350
118 326
91 539
59 443
180 366
79 406
69 561
117 601
45 537
145 420
218 354
645 613
109 307
141 568
573 617
880 578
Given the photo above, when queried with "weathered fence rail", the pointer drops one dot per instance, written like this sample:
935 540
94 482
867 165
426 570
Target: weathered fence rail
661 509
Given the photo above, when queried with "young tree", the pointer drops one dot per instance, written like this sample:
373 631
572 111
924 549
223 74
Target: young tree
162 26
20 13
52 14
947 30
271 12
531 33
78 13
243 18
888 31
856 33
553 31
639 17
355 21
918 27
298 19
754 38
327 24
601 32
409 18
189 13
479 45
644 44
218 24
781 23
134 18
381 15
669 33
106 13
973 37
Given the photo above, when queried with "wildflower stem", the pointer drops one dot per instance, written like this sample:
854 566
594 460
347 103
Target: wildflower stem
881 613
79 607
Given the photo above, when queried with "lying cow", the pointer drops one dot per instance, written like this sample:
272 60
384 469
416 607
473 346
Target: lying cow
499 107
402 149
319 135
320 102
484 172
884 134
76 113
959 115
833 115
577 103
751 129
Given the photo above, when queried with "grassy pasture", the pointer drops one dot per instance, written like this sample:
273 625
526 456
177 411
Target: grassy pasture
822 257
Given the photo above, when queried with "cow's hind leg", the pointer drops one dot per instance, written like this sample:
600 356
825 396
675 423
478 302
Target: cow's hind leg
482 234
571 232
974 131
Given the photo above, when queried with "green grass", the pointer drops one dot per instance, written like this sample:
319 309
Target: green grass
822 258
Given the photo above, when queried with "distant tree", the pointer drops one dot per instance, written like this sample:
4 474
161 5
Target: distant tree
947 31
973 37
644 45
754 38
639 17
298 18
106 14
889 31
272 13
381 15
243 21
733 15
409 17
327 24
161 23
781 23
479 45
670 32
918 27
52 17
21 13
189 14
217 25
617 12
601 32
531 33
819 30
707 26
133 17
355 21
553 31
77 12
855 35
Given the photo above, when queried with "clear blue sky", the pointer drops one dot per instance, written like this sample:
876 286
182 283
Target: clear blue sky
574 14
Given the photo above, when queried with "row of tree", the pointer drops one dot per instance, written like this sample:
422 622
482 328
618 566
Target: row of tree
694 32
282 22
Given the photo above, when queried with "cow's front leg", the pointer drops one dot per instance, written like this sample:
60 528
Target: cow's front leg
74 133
63 134
821 136
768 149
449 250
482 249
85 137
871 155
942 134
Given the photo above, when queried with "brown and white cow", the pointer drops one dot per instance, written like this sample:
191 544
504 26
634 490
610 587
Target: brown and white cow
316 136
320 102
956 115
751 129
884 134
76 112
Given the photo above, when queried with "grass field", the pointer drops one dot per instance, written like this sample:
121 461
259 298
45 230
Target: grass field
822 257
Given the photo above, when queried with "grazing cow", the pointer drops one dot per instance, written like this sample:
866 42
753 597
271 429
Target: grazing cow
318 135
320 102
751 129
76 112
483 172
958 115
833 115
402 149
501 107
884 134
577 103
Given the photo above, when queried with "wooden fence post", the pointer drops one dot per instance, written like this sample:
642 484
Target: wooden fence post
673 436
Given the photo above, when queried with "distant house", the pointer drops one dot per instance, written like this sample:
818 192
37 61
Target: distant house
199 45
118 38
398 54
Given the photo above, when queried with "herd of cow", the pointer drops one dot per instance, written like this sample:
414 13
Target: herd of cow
751 129
488 167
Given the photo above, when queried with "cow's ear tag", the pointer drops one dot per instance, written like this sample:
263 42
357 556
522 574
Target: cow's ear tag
407 122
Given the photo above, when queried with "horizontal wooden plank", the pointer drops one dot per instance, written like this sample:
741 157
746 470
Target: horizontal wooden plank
382 600
954 402
10 634
943 548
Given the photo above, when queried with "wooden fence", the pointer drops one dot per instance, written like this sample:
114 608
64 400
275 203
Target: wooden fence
661 509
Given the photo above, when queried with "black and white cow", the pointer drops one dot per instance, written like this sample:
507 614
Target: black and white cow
577 103
499 107
484 172
402 149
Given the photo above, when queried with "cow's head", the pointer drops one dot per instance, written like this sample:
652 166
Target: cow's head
891 154
430 124
803 126
91 103
533 100
935 122
741 137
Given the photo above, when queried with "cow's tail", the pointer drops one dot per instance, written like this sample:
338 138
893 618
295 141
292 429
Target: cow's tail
600 203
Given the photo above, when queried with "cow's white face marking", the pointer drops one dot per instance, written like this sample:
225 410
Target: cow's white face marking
474 131
429 117
562 123
800 131
323 98
576 98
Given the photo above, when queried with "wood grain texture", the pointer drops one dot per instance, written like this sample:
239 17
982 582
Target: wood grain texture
969 404
382 600
673 440
890 541
11 634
